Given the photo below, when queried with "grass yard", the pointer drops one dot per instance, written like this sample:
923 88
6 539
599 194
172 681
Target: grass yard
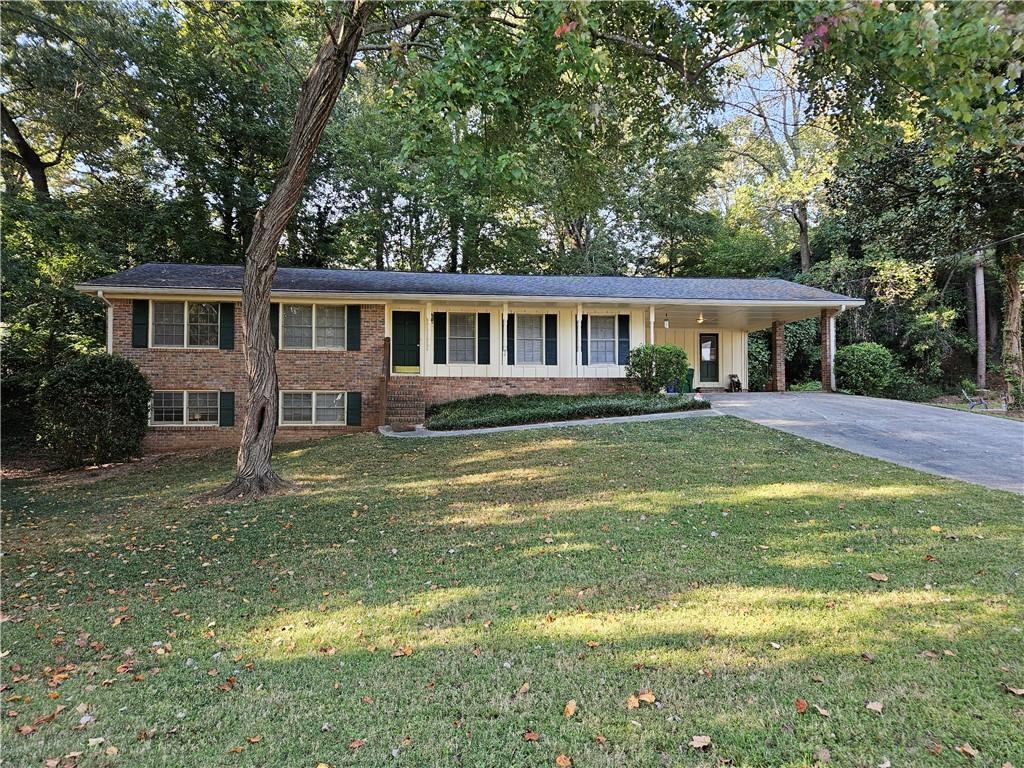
502 410
432 602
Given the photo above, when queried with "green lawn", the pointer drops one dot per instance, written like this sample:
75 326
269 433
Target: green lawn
719 565
502 410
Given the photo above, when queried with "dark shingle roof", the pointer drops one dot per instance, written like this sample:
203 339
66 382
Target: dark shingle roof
355 281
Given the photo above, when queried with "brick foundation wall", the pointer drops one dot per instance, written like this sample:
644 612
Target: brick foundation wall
223 369
442 389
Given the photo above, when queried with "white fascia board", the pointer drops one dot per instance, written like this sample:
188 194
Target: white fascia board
382 298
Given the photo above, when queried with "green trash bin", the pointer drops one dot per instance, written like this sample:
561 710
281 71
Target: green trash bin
688 387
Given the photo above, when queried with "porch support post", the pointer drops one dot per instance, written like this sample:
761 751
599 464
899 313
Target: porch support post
428 341
828 350
503 335
778 357
652 323
579 338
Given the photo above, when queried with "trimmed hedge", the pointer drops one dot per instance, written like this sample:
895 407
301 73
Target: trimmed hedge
656 366
502 410
95 407
865 369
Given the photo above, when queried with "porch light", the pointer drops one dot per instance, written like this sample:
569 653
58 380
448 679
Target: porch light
700 318
665 321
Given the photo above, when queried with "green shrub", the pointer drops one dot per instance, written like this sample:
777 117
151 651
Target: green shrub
864 369
759 363
903 386
95 407
968 386
806 386
502 410
655 366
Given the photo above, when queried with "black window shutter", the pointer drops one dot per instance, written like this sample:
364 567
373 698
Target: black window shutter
483 338
353 330
227 326
354 409
623 339
440 338
584 345
140 322
510 333
550 339
227 409
275 324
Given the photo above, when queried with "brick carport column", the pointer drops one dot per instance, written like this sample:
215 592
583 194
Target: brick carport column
778 357
828 350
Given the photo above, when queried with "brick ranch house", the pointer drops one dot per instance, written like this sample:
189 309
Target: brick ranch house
357 349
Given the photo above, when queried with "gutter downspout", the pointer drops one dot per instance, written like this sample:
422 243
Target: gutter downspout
110 321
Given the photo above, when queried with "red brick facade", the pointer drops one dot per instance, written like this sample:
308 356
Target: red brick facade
224 370
333 370
442 389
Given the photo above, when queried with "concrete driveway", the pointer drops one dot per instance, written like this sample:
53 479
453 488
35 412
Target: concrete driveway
980 449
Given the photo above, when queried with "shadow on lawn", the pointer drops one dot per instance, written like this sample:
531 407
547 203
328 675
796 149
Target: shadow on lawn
683 550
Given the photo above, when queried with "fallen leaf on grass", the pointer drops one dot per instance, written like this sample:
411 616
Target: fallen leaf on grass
405 650
874 706
254 739
632 702
356 744
647 697
1011 689
570 708
875 576
967 750
600 739
592 644
700 742
563 761
801 706
531 736
822 711
524 689
822 755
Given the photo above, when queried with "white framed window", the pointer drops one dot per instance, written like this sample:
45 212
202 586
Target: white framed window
309 408
461 337
313 326
188 324
529 339
602 339
179 408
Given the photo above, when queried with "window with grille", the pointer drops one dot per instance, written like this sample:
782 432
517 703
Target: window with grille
461 338
203 324
330 407
308 408
297 326
168 408
203 407
529 339
602 339
330 327
186 324
168 323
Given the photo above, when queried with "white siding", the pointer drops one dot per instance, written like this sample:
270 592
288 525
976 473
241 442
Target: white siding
498 366
732 351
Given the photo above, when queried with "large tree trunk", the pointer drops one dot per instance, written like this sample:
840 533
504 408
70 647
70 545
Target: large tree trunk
26 155
254 473
979 308
800 214
1013 365
454 231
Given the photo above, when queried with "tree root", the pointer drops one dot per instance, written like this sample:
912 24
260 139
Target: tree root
243 489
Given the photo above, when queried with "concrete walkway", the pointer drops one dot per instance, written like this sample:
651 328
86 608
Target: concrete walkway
423 432
974 447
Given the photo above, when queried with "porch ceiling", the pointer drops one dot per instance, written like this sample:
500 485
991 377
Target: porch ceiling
750 318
